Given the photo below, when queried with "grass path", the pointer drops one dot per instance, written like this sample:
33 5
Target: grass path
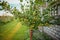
11 34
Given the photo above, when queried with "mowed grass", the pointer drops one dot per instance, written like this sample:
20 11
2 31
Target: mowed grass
22 34
6 29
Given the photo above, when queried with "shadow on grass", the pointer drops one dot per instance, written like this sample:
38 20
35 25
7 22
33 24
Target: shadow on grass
4 23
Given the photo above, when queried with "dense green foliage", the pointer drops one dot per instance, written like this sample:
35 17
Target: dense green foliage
33 16
5 5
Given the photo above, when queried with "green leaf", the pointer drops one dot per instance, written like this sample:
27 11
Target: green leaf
21 0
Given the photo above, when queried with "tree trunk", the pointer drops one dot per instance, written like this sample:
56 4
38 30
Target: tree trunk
31 31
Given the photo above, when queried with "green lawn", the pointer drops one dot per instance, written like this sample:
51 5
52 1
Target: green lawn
22 34
5 29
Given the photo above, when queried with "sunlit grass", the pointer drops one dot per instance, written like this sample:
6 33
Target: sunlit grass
6 29
22 33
